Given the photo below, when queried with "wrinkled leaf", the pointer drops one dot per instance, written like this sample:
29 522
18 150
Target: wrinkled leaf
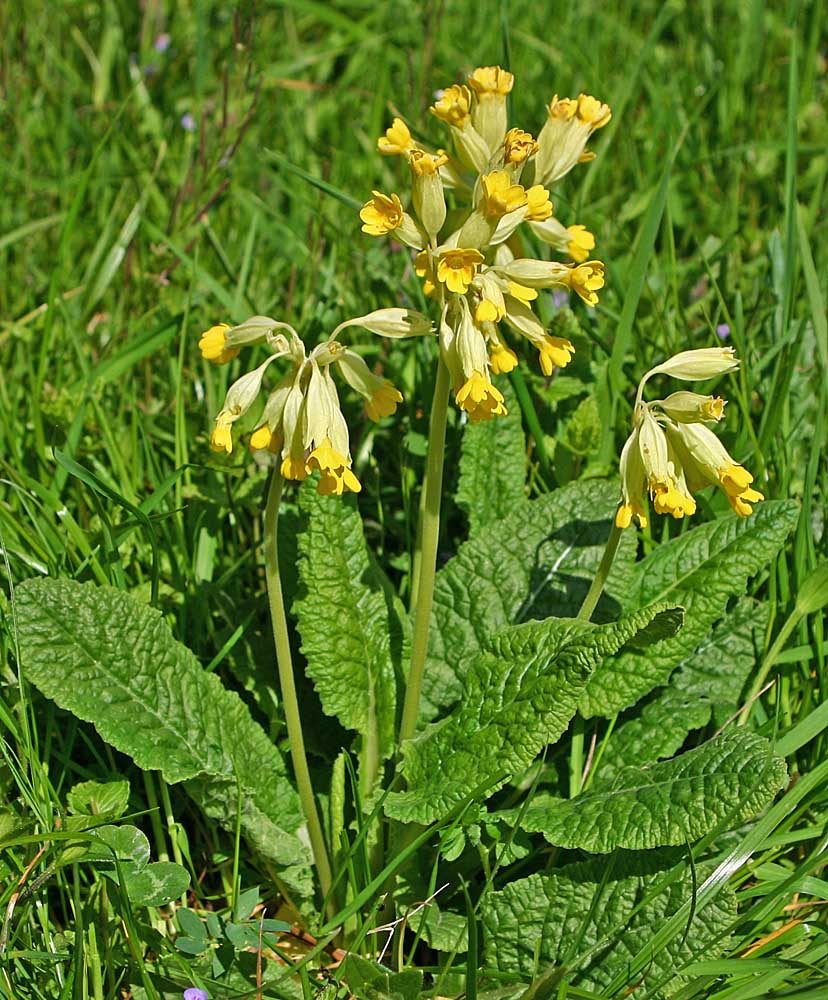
536 562
353 628
113 661
592 917
699 571
99 798
724 781
520 693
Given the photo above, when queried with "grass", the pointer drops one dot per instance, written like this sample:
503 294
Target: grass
171 166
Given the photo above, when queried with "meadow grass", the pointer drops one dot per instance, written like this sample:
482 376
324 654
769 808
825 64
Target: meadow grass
168 166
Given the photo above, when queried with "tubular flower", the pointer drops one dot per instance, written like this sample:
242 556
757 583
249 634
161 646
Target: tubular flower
586 279
302 421
563 138
518 146
500 195
575 241
491 86
453 106
457 268
213 345
672 452
397 140
383 214
466 257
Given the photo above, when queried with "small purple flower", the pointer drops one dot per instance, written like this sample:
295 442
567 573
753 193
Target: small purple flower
162 42
188 123
194 993
722 331
560 298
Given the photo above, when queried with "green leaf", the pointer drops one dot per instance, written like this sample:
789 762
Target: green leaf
157 884
520 693
113 661
126 843
709 682
99 798
589 919
719 667
353 628
699 571
724 781
536 562
492 466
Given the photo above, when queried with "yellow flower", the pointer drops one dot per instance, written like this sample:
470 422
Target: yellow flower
222 436
384 401
293 467
554 352
381 215
479 398
586 279
735 481
538 205
486 80
563 138
593 112
502 358
397 139
335 468
500 195
581 242
669 499
454 105
522 293
425 164
261 438
707 460
213 345
633 481
518 146
457 268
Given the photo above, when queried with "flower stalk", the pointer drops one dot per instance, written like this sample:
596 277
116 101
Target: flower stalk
290 703
427 563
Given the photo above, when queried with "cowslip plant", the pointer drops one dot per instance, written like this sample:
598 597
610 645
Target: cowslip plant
447 810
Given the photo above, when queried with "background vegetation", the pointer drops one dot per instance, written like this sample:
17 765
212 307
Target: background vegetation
169 166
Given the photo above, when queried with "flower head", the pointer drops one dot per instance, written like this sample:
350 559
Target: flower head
672 452
302 421
466 256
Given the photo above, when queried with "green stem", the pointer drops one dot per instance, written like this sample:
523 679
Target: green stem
428 534
576 752
597 587
289 701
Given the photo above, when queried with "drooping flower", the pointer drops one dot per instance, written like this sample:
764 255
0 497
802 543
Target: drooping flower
302 424
671 451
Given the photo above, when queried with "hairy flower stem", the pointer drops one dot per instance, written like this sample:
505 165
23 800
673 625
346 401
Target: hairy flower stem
576 751
428 534
284 662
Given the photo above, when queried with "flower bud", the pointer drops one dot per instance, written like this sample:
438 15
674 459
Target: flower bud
394 322
698 365
427 190
691 407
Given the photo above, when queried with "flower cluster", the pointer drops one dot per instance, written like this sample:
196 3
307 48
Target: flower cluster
302 421
672 452
466 256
